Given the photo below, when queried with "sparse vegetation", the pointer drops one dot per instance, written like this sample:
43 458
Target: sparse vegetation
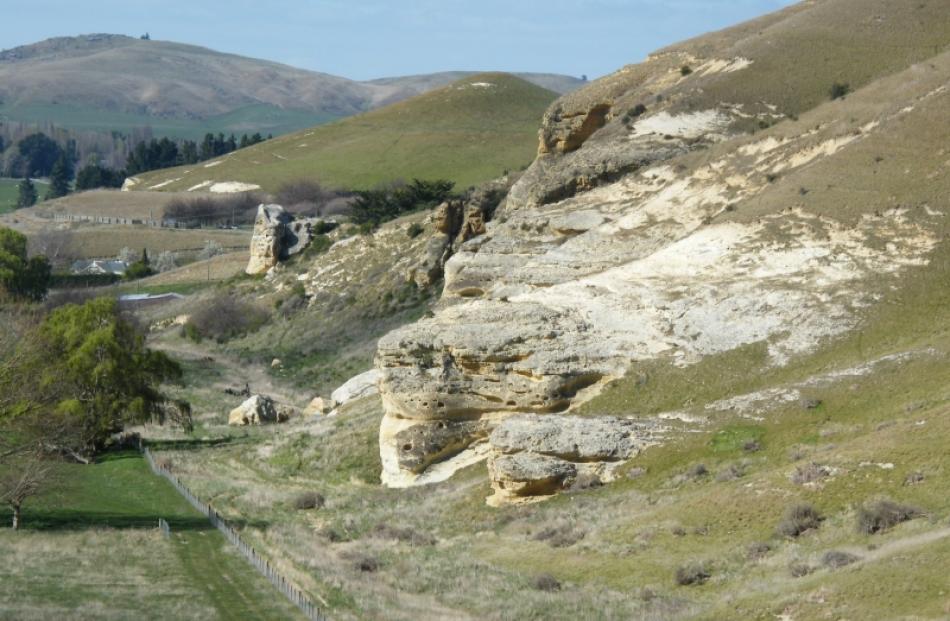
225 317
692 574
308 500
798 520
883 514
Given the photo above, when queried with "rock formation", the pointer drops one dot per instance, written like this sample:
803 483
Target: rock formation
653 224
534 456
357 387
257 410
455 222
277 236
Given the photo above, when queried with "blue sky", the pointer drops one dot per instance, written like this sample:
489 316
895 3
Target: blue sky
364 39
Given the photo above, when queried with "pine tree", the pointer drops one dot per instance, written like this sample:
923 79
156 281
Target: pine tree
27 193
59 179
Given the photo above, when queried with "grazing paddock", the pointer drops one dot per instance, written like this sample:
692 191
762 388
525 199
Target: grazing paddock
91 549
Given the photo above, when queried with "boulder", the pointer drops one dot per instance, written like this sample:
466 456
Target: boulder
257 410
362 385
318 405
277 236
528 474
536 456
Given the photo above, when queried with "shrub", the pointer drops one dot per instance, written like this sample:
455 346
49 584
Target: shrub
685 70
414 230
546 582
839 90
834 559
225 317
561 536
308 500
692 574
757 550
800 570
697 471
730 473
373 207
404 534
809 473
366 563
799 519
883 514
210 249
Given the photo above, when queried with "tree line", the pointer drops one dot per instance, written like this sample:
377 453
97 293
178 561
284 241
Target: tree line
38 155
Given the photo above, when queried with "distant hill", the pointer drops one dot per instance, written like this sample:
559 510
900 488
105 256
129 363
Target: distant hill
114 82
469 131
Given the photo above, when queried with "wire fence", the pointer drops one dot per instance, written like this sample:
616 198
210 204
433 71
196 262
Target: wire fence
287 588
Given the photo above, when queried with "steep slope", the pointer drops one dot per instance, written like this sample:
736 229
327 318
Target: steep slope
669 233
467 132
113 82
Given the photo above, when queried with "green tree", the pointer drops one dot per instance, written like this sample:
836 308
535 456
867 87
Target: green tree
40 153
98 361
26 196
141 268
59 179
95 176
21 277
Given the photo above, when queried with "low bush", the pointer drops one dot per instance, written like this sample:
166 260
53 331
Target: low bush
225 317
883 514
414 230
404 534
546 582
692 574
309 500
798 519
833 559
800 570
757 550
839 90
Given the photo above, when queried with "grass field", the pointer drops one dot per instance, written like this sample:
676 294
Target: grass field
9 191
90 550
467 132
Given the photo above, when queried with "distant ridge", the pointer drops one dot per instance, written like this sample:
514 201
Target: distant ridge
108 81
469 131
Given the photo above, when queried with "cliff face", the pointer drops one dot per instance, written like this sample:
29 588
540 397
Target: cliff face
663 220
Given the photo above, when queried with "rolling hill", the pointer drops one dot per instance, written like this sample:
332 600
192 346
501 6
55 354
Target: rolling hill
470 131
106 82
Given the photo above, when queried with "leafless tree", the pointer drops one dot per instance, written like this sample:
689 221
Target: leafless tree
57 245
23 476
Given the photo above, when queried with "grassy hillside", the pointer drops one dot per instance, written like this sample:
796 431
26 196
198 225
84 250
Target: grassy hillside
91 550
468 132
263 118
9 192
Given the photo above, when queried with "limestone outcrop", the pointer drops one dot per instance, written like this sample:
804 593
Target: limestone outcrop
455 222
534 456
666 231
277 236
357 387
257 410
